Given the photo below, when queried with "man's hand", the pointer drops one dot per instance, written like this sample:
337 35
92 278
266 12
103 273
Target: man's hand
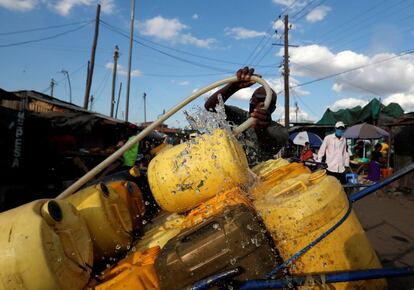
244 75
262 117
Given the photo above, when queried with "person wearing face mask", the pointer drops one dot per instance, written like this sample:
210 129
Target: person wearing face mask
334 149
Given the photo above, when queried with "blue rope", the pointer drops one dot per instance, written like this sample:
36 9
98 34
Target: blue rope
311 245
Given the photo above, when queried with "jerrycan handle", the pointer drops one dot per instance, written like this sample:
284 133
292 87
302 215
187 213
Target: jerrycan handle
297 185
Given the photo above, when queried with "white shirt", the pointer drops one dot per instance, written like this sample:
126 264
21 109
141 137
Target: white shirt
337 156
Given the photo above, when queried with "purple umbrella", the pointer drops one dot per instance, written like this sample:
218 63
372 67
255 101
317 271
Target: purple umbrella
365 131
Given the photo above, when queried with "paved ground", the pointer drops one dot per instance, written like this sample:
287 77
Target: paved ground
388 218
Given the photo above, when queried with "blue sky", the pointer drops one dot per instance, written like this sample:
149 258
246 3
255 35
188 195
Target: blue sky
184 45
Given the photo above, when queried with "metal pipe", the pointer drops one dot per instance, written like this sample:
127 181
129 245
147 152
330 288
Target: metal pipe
207 283
321 279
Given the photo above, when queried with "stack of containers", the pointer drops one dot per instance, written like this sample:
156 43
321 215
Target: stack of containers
204 178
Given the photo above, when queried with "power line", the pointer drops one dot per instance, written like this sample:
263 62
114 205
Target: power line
168 54
357 26
119 30
44 28
44 38
349 70
309 11
301 10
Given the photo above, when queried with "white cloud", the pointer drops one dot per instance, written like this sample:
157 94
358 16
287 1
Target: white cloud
293 5
63 7
318 14
382 77
347 104
122 71
184 83
406 101
171 30
279 25
195 16
19 5
242 33
302 116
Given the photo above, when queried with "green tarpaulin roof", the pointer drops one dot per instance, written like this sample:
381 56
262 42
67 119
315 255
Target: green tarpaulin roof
368 113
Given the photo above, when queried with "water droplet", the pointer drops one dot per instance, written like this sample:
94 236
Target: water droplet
147 203
59 260
118 247
233 261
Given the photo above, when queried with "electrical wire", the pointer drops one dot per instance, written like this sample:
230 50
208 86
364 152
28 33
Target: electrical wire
309 11
45 28
350 70
168 54
44 38
171 48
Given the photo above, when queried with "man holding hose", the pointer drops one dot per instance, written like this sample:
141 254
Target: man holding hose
266 137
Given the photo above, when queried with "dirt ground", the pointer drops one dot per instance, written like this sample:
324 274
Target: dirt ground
387 216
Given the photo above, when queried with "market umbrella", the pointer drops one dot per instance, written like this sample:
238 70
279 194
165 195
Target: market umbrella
300 138
365 131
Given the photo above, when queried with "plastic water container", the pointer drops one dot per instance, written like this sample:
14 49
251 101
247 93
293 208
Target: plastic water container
44 245
297 214
216 205
187 174
164 229
136 271
277 175
233 238
107 217
267 166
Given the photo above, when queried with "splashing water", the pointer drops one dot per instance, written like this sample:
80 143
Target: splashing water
204 121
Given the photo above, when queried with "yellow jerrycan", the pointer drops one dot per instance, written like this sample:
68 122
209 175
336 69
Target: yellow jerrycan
107 217
271 178
132 197
298 213
216 205
187 174
265 167
136 271
157 235
44 245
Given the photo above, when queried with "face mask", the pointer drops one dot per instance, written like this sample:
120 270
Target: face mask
339 132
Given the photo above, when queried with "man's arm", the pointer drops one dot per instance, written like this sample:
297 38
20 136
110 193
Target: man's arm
322 149
243 75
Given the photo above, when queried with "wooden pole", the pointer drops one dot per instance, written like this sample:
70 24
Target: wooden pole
286 71
131 37
92 61
116 55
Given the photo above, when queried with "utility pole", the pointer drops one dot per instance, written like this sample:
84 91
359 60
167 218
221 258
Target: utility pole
92 99
65 72
116 55
286 71
131 36
145 107
92 60
52 86
296 111
117 102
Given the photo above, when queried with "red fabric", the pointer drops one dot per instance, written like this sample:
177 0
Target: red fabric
305 155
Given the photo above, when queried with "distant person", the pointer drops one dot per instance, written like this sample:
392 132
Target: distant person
375 164
334 148
266 137
306 153
384 147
